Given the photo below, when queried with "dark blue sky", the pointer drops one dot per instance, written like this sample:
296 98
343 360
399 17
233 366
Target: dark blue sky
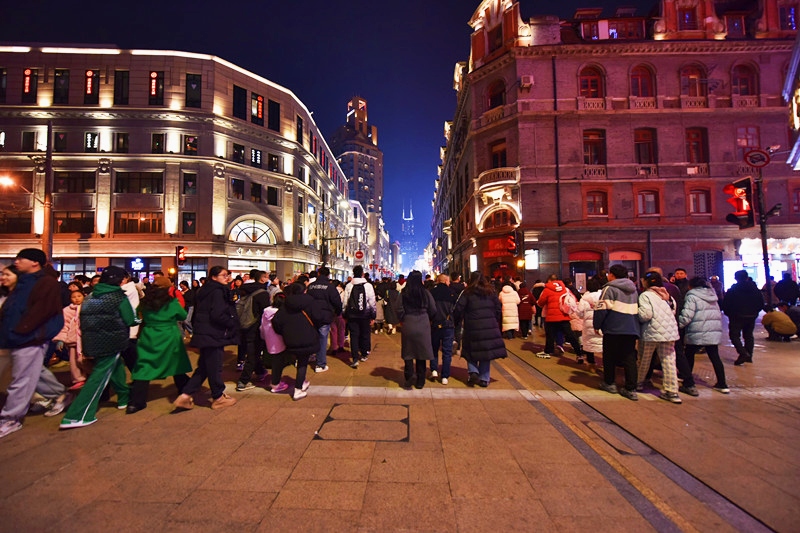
398 55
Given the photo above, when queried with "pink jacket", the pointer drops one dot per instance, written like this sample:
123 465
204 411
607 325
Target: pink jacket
71 332
273 341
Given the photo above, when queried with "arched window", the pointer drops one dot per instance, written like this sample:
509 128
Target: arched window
497 94
252 231
743 81
647 203
597 203
693 81
642 82
500 219
591 83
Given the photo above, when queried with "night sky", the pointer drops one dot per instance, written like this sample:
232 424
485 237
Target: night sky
399 55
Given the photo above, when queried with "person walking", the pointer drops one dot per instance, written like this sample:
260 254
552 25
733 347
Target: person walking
525 310
702 319
216 325
480 312
295 322
106 316
29 319
787 290
360 310
555 319
160 350
69 338
416 308
330 306
617 316
659 333
592 342
509 300
253 299
742 304
275 346
442 328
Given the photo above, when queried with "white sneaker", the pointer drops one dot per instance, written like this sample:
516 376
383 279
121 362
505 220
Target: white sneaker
306 385
319 369
299 395
68 424
59 406
543 355
8 427
444 381
434 374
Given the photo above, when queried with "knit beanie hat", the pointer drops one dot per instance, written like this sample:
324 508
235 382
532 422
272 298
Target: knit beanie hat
33 254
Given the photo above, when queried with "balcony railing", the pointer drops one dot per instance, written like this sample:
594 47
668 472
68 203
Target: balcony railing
594 171
497 176
73 201
694 102
637 102
591 104
697 169
744 101
646 171
492 115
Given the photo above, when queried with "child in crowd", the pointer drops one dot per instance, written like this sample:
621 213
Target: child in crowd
276 348
69 338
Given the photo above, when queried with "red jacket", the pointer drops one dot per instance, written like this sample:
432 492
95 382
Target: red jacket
549 301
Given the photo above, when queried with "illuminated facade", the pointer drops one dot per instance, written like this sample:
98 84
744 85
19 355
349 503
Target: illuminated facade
610 140
154 149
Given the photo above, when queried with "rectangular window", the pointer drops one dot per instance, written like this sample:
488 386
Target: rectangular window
747 138
139 182
74 221
696 145
255 158
239 102
597 203
299 129
91 142
28 141
157 143
138 222
255 193
594 147
796 201
30 85
687 19
122 81
189 183
11 222
274 163
237 188
190 144
61 87
257 109
238 153
735 26
121 143
699 202
497 152
156 88
272 196
648 203
59 141
194 89
188 223
4 83
91 87
644 140
74 182
274 109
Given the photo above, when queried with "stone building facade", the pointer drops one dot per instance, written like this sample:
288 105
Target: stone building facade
610 140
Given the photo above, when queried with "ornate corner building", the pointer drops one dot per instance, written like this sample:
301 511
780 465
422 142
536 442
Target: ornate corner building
156 149
609 139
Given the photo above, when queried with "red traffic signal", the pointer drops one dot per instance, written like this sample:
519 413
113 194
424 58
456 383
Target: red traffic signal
740 194
511 243
180 254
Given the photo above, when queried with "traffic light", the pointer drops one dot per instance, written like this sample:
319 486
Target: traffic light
513 243
180 255
741 198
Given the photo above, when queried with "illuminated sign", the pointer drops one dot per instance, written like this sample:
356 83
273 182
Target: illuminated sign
26 83
89 82
154 84
137 264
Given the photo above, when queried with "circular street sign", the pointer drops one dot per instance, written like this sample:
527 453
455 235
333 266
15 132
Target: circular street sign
756 158
359 254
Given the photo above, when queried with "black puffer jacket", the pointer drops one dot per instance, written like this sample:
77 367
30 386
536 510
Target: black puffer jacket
743 299
299 334
444 299
214 322
330 303
481 316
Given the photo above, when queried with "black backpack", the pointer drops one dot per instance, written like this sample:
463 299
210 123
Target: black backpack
357 302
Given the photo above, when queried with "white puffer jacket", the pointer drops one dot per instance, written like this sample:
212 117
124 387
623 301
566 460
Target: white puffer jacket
510 300
657 316
590 341
701 317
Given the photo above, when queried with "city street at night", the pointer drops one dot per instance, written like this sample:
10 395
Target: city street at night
540 449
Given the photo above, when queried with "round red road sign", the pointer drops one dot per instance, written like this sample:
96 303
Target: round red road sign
359 254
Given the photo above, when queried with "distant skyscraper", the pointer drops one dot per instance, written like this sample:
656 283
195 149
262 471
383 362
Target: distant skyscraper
408 243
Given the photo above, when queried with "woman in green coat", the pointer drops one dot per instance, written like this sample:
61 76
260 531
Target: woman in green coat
160 349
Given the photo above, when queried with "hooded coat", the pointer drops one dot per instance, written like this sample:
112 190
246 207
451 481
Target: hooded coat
550 301
295 322
105 317
480 316
214 322
509 300
657 315
160 350
701 317
592 341
617 311
526 303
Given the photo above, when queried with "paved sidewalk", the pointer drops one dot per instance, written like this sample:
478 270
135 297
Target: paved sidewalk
540 450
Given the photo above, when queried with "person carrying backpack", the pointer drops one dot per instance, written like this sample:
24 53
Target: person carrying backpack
556 299
253 299
330 304
360 309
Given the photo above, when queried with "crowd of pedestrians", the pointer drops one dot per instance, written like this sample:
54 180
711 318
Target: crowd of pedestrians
112 321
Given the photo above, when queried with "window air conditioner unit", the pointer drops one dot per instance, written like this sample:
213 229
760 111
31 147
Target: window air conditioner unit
526 82
691 171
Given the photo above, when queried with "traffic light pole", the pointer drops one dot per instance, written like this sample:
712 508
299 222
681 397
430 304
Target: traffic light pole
762 221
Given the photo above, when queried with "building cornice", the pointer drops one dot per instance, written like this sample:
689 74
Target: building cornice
653 47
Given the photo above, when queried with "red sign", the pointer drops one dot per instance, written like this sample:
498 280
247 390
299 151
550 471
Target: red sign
359 255
756 158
